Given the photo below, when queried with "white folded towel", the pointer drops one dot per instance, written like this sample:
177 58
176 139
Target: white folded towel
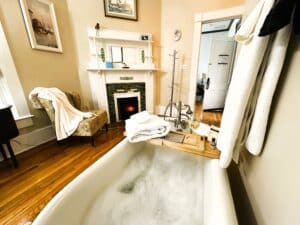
141 117
144 126
67 118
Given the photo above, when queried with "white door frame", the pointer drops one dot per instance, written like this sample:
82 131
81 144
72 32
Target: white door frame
199 18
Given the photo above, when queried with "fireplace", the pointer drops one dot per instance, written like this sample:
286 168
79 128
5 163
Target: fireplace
126 104
125 99
103 81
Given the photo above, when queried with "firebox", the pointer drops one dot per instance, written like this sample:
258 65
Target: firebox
116 91
127 107
126 104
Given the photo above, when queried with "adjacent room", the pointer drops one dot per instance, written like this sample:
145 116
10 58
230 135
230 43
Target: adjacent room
149 112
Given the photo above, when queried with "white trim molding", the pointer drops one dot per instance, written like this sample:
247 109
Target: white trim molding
198 20
24 121
25 142
219 14
11 80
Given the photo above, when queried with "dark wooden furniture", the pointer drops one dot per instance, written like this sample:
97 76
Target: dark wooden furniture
8 130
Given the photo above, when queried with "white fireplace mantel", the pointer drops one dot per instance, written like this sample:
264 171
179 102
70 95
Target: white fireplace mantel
138 72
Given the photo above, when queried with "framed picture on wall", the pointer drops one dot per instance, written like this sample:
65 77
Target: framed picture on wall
123 9
41 24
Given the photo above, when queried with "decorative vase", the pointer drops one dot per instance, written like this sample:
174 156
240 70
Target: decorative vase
102 54
143 56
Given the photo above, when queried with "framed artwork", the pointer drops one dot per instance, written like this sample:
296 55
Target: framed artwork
123 9
41 24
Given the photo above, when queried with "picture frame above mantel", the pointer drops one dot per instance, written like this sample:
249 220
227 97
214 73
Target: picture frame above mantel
41 25
121 9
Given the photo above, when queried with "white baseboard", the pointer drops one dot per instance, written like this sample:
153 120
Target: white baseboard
32 139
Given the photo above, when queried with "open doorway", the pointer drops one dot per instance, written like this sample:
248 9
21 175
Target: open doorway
217 51
214 50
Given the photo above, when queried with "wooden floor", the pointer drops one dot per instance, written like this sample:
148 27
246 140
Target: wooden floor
209 117
44 171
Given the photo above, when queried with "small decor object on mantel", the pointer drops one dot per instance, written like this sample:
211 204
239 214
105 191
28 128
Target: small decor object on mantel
97 28
145 37
143 56
40 20
123 9
102 54
109 64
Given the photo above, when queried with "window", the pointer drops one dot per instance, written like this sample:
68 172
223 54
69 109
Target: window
5 97
11 91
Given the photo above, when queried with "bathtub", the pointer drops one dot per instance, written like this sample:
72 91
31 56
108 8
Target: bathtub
73 204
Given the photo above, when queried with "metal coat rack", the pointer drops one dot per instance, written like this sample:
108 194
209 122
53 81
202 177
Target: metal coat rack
178 120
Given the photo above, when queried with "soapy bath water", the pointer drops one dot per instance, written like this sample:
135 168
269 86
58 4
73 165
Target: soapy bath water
160 187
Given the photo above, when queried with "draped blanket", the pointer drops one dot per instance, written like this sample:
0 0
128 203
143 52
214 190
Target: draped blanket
67 118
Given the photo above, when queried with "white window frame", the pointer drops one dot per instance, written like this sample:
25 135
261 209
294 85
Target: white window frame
11 86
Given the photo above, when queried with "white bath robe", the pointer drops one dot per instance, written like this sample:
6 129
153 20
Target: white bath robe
271 76
67 118
243 91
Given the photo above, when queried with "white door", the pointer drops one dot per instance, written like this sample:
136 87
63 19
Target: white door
219 74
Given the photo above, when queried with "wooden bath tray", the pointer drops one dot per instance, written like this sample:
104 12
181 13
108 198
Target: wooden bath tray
190 144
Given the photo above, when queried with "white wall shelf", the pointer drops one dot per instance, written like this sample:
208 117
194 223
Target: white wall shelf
135 51
121 69
120 39
117 35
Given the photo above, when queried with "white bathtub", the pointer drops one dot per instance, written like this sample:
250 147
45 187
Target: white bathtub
71 205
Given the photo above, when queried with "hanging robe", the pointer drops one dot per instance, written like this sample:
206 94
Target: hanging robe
249 61
271 76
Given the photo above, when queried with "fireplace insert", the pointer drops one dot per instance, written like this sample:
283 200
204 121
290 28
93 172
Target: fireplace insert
127 107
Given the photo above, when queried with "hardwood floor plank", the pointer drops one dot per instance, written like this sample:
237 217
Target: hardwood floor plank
44 171
209 117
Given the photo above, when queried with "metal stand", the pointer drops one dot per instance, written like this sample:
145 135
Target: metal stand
172 103
178 120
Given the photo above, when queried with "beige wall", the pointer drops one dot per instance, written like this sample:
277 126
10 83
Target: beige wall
40 68
178 14
68 70
272 180
85 14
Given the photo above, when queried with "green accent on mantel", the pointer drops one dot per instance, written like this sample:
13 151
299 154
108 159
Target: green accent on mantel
102 54
126 78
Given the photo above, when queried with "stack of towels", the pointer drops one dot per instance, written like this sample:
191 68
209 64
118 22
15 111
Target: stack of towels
144 126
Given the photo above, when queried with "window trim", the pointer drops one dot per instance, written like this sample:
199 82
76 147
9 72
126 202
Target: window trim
22 114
